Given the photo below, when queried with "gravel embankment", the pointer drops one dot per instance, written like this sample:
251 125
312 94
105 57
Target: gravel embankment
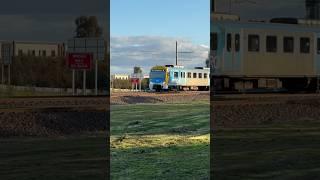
255 112
144 97
51 123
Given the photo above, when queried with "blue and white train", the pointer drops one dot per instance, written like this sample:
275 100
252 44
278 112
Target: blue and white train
171 77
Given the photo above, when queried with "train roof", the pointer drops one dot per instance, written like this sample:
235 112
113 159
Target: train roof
173 67
266 25
191 69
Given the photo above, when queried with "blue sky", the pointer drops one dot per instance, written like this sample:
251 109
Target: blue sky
155 25
175 18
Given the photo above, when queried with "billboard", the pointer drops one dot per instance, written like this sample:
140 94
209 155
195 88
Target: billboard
135 80
80 61
92 45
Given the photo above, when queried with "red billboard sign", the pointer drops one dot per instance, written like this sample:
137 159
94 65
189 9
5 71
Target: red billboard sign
80 61
135 80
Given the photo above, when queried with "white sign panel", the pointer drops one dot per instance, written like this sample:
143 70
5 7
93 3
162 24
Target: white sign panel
91 45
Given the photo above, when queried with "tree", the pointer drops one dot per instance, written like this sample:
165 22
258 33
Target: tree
87 27
137 70
207 62
145 83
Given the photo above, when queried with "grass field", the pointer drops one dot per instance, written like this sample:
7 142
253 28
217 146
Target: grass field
64 158
168 141
277 152
160 141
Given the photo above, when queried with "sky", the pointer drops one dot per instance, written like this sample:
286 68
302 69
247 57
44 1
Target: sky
144 32
44 20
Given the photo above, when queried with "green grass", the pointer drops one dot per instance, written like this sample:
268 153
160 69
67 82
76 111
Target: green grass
290 152
168 141
160 141
63 158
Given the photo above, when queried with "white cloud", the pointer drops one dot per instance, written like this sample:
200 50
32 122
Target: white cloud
148 51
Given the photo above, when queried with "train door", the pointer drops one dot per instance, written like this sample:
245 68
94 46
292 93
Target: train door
317 55
317 60
232 52
237 53
217 44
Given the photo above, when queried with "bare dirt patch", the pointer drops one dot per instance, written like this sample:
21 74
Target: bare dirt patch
123 98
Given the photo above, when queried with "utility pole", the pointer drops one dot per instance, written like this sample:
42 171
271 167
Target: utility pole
176 53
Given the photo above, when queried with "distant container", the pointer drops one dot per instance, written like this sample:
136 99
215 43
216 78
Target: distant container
284 20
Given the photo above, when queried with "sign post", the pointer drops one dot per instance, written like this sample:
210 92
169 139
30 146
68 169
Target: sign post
84 82
9 74
89 45
73 82
2 75
79 61
96 78
136 80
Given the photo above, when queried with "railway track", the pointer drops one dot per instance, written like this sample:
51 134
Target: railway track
259 99
47 102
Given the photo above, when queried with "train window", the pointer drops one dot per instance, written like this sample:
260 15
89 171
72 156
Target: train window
213 41
288 44
304 45
189 74
229 40
318 43
181 75
176 75
184 75
271 44
253 43
194 75
237 42
205 75
200 75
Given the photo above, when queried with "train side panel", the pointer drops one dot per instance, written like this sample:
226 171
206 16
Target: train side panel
203 81
278 64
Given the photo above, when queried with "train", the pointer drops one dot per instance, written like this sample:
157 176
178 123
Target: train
280 54
171 77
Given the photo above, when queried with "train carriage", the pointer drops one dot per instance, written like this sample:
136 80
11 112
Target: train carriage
251 55
178 77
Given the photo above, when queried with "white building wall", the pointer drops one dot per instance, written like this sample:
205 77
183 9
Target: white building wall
120 76
38 49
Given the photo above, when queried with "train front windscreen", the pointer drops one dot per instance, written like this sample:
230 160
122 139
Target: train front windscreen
157 76
158 80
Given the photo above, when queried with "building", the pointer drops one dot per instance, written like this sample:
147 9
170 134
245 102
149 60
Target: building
312 9
38 49
120 77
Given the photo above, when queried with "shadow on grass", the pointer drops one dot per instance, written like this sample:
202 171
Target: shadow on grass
266 154
53 158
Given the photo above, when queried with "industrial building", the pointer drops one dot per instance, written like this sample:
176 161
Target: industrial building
38 49
120 77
